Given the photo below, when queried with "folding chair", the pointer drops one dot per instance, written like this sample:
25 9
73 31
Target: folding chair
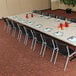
34 40
40 12
10 25
53 15
46 14
62 17
35 11
69 52
72 20
43 46
14 29
26 36
20 32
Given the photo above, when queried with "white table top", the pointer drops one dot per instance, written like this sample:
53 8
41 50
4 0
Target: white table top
48 26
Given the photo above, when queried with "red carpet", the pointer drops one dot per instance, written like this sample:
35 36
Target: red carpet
16 59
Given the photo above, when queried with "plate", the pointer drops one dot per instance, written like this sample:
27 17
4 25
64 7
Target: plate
69 22
40 15
24 21
47 17
57 20
72 38
30 23
19 19
58 33
47 29
39 26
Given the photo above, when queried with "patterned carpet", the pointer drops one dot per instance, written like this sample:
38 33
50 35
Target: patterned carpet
16 59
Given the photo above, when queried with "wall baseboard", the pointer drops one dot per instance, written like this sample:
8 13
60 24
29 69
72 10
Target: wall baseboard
64 10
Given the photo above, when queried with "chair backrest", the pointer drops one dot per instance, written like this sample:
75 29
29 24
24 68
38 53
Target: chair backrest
72 20
40 12
62 17
8 22
15 24
25 29
53 15
42 38
12 22
18 26
46 14
35 33
49 41
35 11
63 48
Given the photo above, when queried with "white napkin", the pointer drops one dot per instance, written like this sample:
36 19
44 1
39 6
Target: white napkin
72 38
57 20
47 29
30 23
47 17
58 33
40 15
39 26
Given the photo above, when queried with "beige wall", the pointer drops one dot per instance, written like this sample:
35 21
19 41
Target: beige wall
34 4
11 7
54 4
3 9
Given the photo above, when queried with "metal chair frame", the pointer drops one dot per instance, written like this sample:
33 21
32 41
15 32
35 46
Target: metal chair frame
26 36
68 56
19 33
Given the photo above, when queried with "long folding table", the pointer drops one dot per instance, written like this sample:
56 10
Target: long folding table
48 26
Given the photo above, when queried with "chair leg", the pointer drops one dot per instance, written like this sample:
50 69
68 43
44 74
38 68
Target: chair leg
41 48
52 55
8 29
32 43
56 57
26 40
14 32
35 44
66 63
4 27
44 51
19 35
